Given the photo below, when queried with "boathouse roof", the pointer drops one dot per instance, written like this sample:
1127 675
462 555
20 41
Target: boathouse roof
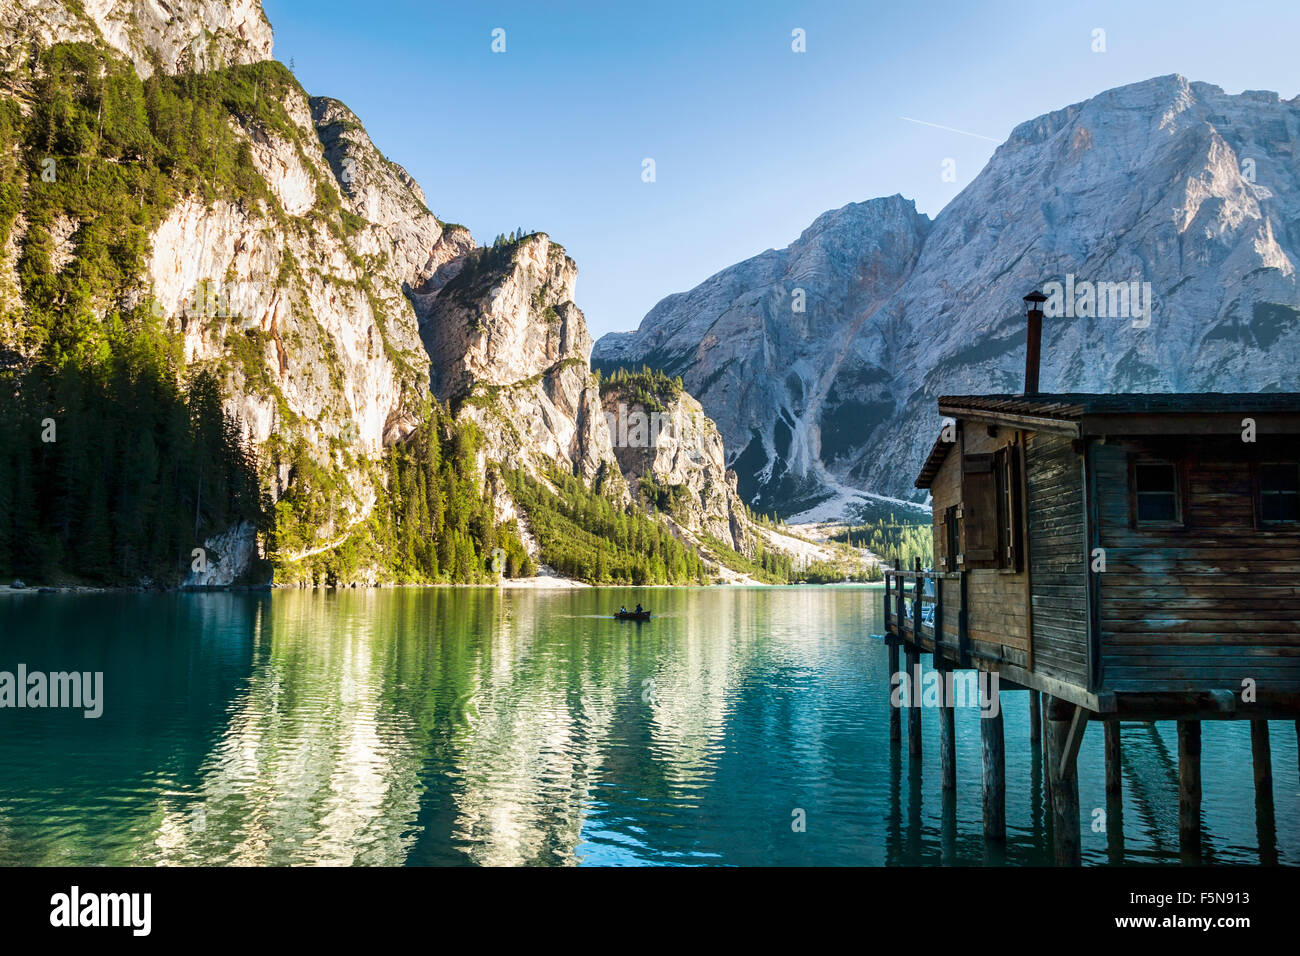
1084 413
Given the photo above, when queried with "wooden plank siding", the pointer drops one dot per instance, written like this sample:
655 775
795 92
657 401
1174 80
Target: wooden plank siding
1058 555
1205 605
995 599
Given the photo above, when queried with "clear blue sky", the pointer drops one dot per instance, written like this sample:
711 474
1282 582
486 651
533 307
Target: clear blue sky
751 141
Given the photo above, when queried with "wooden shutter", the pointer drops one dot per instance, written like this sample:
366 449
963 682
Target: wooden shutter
1015 550
952 536
941 557
979 512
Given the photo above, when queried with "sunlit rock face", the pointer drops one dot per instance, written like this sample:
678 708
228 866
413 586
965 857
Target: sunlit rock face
1166 182
305 304
678 448
315 332
176 37
509 347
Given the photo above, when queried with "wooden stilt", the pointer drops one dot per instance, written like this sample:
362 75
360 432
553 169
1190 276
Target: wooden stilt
947 728
895 716
1263 758
1265 816
1114 780
1189 789
913 708
1062 771
993 752
1114 794
1045 751
1035 717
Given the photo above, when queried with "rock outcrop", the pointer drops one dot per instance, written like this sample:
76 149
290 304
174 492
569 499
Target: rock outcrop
508 348
175 37
673 457
1166 182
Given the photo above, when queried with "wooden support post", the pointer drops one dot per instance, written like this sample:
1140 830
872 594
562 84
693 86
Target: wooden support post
1035 715
1062 771
1114 779
963 626
1263 759
1114 794
1265 815
947 727
895 717
1046 754
1189 789
917 590
938 615
913 703
900 616
993 754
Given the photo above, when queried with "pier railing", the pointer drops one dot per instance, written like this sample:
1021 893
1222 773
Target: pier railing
929 605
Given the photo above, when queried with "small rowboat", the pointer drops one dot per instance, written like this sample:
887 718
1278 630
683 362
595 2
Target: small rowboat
631 616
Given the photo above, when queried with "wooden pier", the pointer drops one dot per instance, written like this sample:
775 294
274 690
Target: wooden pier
1121 558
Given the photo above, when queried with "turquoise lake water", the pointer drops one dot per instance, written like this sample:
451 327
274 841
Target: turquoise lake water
475 726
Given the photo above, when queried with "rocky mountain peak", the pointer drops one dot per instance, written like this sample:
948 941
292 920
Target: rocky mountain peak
175 37
1168 182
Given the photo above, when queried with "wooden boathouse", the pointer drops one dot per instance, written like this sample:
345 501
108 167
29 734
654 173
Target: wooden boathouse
1123 557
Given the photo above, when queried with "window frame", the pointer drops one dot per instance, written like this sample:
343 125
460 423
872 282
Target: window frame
978 481
1257 488
1007 484
1177 465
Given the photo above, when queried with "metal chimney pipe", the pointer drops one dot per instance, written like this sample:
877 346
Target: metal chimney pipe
1033 340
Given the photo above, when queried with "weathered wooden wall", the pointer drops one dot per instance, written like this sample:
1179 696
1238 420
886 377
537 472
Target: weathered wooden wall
996 598
1204 606
1058 557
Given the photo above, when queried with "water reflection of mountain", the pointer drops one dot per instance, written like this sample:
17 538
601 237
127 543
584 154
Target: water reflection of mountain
320 759
446 726
473 726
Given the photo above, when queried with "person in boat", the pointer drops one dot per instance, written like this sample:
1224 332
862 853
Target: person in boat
623 609
638 609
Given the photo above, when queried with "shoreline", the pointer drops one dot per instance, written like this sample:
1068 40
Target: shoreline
515 584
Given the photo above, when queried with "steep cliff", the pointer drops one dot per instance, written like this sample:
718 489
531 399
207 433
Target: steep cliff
257 228
173 37
508 347
1165 182
673 457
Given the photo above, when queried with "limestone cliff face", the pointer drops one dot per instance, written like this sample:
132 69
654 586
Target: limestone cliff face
425 252
301 301
176 36
312 327
678 449
508 347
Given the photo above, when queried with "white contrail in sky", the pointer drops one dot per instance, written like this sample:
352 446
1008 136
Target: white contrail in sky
950 129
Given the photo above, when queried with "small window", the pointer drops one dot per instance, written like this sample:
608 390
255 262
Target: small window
1007 468
1279 492
1156 487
